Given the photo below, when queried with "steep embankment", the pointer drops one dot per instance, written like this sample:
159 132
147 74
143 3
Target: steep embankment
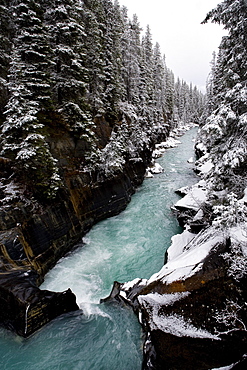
34 236
75 139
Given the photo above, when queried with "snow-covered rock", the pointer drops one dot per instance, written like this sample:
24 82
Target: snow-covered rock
190 160
172 324
169 143
157 168
187 255
195 197
154 169
148 174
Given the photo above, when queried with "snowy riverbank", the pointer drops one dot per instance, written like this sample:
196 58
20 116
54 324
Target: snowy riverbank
193 310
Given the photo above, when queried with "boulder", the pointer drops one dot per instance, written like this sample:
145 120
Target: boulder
24 308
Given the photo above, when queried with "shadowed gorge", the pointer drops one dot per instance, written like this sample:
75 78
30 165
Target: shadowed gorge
88 108
80 115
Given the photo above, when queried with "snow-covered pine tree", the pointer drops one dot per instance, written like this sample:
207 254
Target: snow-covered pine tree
73 65
224 133
22 138
231 64
198 104
189 103
69 75
109 19
131 50
93 19
146 80
5 47
159 86
210 86
169 94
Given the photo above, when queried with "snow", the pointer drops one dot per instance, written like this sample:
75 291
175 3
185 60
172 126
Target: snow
201 147
225 367
204 164
148 174
184 190
172 324
123 294
244 199
156 299
158 153
129 110
195 197
26 153
169 143
199 215
156 168
130 284
179 242
238 236
191 257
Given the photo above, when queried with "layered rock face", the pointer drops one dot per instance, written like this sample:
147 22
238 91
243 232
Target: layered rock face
35 235
73 148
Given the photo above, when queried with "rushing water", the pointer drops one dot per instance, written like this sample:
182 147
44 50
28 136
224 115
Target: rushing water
124 247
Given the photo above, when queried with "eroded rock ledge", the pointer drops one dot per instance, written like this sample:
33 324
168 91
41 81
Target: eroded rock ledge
25 308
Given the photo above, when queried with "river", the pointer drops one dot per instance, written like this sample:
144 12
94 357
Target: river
129 245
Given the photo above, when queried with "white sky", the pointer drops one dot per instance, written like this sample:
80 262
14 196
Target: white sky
176 25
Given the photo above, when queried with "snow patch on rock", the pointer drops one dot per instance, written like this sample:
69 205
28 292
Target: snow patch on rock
188 256
195 197
172 324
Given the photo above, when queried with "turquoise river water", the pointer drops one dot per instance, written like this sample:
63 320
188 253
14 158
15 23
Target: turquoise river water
122 248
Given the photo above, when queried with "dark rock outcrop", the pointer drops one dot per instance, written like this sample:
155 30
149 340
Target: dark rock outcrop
34 236
25 308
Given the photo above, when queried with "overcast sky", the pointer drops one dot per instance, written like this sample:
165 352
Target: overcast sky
176 26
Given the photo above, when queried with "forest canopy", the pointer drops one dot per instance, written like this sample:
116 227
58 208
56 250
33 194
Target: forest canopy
65 65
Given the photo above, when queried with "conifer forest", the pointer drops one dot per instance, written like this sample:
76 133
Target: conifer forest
87 100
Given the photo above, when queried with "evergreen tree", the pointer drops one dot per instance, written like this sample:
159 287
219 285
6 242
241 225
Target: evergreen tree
93 18
146 88
131 49
148 65
189 103
232 59
69 75
224 133
109 18
159 85
6 32
22 132
169 94
210 86
75 66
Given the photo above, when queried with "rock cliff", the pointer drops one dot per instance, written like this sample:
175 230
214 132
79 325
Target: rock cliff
35 235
